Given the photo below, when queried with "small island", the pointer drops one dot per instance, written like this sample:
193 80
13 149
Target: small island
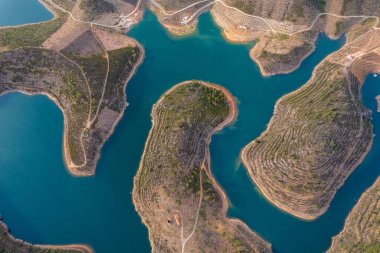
174 191
361 233
320 133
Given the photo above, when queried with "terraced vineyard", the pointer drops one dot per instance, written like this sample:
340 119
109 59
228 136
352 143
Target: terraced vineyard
174 191
361 233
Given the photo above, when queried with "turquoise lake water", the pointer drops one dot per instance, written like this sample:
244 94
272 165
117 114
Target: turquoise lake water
42 203
15 12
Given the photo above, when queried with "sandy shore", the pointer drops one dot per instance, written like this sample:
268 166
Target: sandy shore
245 162
230 120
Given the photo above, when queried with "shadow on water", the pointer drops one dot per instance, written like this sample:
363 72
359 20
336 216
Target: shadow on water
42 203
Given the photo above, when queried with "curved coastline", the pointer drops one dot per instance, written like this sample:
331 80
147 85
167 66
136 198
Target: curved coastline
88 167
98 153
82 248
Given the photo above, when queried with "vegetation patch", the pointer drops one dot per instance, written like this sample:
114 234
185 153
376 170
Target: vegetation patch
29 35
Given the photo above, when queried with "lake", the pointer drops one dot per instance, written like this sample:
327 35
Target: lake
42 203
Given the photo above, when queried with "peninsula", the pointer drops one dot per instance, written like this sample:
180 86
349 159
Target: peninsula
361 233
320 133
284 31
174 190
82 61
81 64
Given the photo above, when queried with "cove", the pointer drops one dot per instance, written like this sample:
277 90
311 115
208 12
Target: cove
42 203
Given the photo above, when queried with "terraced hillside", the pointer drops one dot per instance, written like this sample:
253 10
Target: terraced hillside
318 134
82 67
174 191
284 31
9 244
361 233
